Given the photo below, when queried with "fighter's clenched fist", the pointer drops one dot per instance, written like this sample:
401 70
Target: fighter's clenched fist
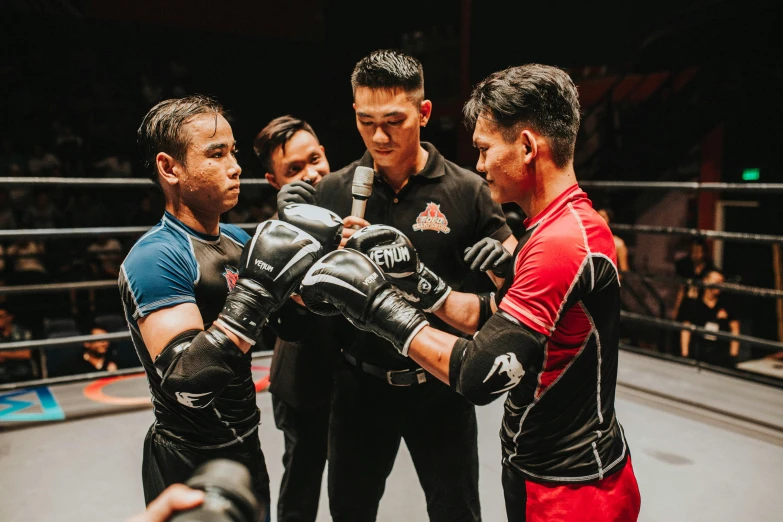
324 225
351 282
396 255
272 264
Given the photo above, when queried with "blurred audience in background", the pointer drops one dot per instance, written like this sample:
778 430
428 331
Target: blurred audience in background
619 244
15 365
709 312
694 266
43 163
95 356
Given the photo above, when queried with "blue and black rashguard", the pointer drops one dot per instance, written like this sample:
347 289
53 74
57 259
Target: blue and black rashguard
170 265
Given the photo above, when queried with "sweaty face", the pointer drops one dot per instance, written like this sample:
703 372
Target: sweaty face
210 179
390 125
303 159
502 162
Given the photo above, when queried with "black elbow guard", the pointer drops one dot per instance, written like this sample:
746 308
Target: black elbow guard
498 358
197 365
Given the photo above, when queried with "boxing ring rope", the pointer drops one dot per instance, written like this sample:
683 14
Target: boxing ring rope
84 377
733 288
42 233
774 188
57 287
767 188
114 336
97 182
110 283
45 233
740 237
628 316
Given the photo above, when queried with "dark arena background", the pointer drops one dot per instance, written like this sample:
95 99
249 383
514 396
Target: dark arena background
680 142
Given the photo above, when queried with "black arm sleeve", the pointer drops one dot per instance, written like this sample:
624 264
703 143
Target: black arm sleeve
485 308
496 360
196 366
292 322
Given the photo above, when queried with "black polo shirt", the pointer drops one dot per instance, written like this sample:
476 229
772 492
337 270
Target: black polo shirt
443 210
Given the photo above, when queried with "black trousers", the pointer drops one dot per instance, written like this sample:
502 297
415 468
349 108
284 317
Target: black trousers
305 433
370 417
166 462
515 494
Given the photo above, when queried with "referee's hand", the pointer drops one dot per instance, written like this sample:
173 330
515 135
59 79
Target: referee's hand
350 225
488 254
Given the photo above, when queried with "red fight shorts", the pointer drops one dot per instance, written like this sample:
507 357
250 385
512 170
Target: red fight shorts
613 499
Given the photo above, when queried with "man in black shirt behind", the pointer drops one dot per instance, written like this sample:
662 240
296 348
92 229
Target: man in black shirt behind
380 396
709 312
305 345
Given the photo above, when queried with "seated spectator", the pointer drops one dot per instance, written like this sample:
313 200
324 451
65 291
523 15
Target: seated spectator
43 214
86 211
11 162
7 216
113 166
26 259
69 149
144 214
105 254
15 365
43 163
694 266
97 354
619 244
708 312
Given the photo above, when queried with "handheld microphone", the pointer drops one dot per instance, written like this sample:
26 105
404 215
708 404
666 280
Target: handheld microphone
361 190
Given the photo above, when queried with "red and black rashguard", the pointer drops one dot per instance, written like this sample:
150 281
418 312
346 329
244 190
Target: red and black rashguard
553 346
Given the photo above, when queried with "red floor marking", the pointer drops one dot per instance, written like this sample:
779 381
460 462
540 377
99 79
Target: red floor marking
263 383
94 390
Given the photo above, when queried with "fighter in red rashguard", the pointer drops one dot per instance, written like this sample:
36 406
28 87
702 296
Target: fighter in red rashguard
547 340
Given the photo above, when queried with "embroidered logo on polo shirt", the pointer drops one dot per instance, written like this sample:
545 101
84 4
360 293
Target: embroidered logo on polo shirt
432 219
231 276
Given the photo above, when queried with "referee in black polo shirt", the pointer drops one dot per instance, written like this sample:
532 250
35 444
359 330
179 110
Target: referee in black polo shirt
380 396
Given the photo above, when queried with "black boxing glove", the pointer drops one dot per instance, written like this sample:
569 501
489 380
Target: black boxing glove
324 225
488 254
295 192
272 264
391 250
351 282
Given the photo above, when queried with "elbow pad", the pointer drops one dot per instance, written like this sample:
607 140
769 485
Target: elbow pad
503 354
196 366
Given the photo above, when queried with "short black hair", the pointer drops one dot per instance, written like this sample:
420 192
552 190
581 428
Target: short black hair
543 97
389 69
276 134
161 128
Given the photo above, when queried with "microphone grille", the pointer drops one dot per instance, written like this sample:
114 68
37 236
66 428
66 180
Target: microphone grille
362 181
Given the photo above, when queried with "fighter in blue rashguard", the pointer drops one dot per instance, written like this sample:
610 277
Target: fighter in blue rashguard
197 293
